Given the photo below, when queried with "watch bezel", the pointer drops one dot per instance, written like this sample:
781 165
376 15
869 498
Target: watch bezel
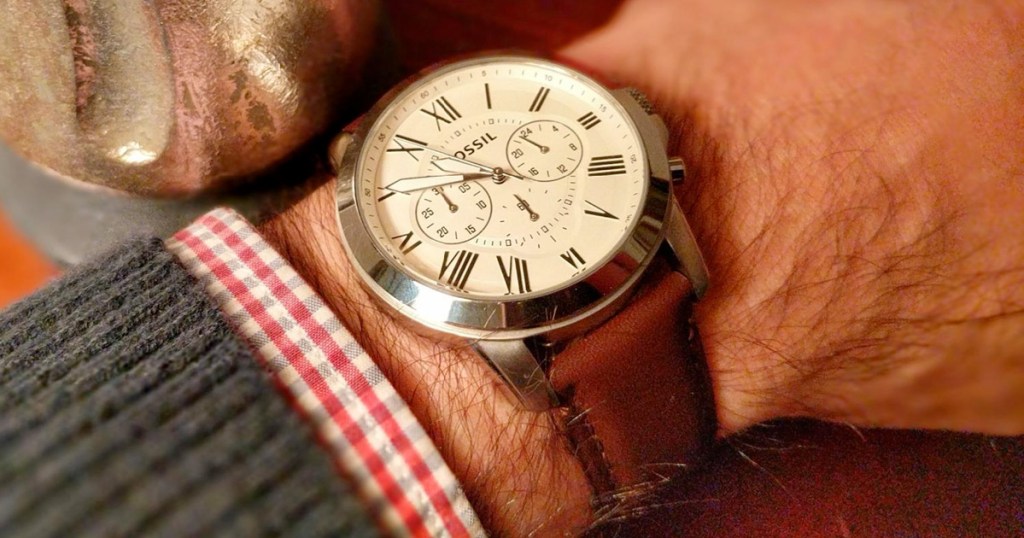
497 318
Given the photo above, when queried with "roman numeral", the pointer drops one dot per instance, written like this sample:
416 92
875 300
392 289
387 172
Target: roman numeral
609 165
409 150
461 264
572 258
589 120
405 241
447 114
515 273
598 212
538 101
487 92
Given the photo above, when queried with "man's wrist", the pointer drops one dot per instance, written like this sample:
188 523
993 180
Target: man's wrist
514 464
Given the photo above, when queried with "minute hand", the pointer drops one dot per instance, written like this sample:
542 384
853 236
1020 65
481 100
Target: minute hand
490 170
417 183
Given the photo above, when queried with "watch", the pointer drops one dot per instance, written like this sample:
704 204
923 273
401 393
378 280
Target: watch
515 203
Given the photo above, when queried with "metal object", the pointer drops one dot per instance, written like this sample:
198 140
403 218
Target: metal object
677 169
71 223
501 328
689 259
521 371
175 99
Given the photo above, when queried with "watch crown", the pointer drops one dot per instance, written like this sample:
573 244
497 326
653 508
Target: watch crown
336 151
677 169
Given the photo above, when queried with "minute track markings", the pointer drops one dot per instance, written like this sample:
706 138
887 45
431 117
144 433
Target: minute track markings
552 263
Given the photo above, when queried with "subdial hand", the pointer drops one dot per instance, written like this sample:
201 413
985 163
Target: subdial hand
543 149
526 207
451 207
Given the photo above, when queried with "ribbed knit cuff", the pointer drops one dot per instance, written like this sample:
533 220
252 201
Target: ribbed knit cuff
128 407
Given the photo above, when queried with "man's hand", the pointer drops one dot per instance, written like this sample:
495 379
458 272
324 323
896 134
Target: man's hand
856 183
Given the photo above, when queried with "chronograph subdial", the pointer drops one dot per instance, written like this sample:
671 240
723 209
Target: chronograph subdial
532 217
544 150
455 213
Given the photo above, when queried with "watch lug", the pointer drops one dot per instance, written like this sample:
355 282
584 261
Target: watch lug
684 246
521 371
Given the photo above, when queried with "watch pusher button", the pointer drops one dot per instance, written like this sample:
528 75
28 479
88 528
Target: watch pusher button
677 169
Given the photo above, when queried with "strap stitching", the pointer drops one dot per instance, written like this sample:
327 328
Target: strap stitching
588 449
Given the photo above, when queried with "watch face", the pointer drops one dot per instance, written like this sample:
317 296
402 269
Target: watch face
501 179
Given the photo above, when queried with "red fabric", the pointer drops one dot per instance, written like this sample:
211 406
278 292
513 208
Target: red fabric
374 438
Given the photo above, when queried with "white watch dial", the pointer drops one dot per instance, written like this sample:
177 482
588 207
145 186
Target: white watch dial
501 179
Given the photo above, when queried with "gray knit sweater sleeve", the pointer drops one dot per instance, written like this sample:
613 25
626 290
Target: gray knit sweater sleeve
129 408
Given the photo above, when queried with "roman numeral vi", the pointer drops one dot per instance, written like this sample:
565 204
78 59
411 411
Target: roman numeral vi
572 258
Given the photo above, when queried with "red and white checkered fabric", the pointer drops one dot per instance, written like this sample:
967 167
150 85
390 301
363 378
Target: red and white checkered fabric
370 431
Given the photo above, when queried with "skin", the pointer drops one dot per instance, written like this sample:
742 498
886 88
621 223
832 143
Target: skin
855 182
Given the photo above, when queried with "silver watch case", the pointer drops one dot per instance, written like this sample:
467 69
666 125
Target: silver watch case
500 327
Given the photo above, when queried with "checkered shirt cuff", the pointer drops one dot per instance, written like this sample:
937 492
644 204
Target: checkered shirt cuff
371 434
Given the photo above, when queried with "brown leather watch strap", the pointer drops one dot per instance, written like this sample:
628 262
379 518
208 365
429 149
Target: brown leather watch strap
641 407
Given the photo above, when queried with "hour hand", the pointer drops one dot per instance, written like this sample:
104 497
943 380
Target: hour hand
418 183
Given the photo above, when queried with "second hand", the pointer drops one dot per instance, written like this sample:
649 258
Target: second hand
451 207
